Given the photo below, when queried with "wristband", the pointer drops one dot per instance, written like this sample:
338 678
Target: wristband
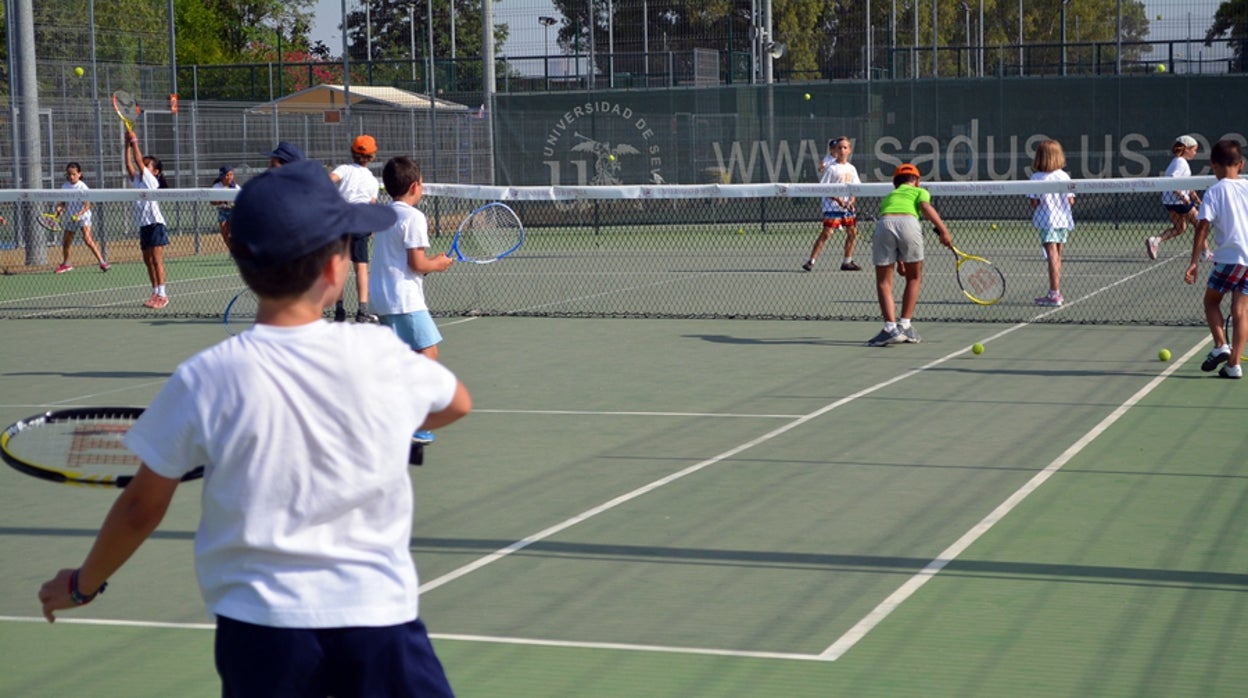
76 594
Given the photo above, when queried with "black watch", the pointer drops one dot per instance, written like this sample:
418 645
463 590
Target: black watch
76 595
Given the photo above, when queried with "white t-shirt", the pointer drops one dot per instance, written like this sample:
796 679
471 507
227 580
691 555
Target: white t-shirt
1053 212
356 183
394 288
76 208
225 205
146 212
1225 206
1178 168
306 511
838 173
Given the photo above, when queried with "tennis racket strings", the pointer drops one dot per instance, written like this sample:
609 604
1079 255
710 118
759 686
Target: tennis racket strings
491 232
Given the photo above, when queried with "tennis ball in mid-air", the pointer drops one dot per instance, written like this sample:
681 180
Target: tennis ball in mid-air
611 157
1164 354
807 96
740 231
994 226
79 71
1161 67
977 348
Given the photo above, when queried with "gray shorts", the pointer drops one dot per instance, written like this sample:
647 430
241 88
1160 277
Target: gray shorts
896 239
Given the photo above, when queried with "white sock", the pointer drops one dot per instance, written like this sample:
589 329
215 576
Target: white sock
848 260
904 323
160 290
890 326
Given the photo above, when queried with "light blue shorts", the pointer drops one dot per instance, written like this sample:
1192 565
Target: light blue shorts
1057 235
417 329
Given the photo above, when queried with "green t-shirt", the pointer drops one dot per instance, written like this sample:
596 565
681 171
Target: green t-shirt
905 199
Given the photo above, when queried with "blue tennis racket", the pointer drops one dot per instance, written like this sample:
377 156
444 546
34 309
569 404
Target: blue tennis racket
488 234
240 313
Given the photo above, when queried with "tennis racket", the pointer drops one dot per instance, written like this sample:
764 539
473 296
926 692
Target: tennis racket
126 108
488 234
240 312
979 279
79 446
51 222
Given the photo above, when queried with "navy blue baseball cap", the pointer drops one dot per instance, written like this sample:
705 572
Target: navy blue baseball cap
287 212
287 152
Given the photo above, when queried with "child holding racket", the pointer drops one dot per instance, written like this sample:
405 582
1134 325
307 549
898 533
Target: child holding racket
358 185
224 180
1226 210
79 218
837 211
303 546
400 262
1181 204
145 173
898 238
1051 215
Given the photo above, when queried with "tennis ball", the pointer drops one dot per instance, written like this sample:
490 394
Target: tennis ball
740 231
79 71
1161 67
807 96
994 226
611 157
1164 354
1158 18
977 348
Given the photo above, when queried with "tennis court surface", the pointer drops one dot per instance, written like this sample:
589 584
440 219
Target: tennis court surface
728 508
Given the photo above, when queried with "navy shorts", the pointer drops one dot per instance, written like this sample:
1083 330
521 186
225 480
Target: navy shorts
359 248
1180 209
153 235
265 662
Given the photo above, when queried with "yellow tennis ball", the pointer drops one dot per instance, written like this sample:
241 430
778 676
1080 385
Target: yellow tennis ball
1164 354
807 96
740 231
1161 67
977 348
79 71
994 226
611 157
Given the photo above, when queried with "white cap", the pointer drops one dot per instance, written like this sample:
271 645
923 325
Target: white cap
1187 141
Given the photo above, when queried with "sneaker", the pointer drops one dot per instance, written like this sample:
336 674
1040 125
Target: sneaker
808 266
1052 299
160 301
911 336
1217 356
887 337
340 314
151 302
64 268
423 437
1229 371
362 316
103 266
850 266
1151 245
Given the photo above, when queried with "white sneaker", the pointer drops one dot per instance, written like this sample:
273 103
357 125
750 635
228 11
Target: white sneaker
1151 245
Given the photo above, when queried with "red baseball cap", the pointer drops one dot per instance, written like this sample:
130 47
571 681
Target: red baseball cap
906 168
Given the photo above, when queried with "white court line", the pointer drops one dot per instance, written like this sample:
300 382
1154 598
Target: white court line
597 413
877 615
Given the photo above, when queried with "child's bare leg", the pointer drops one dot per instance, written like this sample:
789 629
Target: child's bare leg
819 242
66 240
910 295
1178 226
1214 318
1054 252
91 244
1239 326
884 292
851 237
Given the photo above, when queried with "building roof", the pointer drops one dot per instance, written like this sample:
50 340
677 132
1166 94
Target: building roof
329 97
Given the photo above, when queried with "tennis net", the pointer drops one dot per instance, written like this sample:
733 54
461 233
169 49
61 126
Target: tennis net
680 251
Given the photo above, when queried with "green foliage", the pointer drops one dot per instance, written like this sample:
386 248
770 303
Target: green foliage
1231 23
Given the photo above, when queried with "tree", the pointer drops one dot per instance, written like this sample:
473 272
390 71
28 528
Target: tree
1231 22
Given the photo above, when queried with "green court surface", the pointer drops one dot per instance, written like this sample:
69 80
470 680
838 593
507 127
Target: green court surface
727 508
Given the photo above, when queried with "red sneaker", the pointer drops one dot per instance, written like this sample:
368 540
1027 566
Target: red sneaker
160 301
64 268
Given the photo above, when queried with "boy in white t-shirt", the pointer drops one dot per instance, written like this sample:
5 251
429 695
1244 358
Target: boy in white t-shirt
400 258
358 185
1225 208
838 211
302 549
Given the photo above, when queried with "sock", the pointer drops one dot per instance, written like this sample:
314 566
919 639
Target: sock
904 323
890 326
160 290
848 260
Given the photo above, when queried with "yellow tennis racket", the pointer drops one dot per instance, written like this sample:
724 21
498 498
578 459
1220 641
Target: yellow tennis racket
979 279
